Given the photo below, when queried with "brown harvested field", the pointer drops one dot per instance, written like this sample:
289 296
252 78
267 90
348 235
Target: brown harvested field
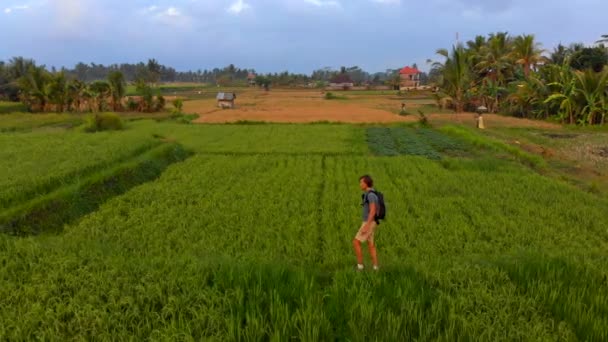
297 106
300 106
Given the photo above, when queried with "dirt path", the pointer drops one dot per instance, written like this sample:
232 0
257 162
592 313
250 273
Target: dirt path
490 120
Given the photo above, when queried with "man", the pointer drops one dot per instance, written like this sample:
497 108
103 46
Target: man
368 227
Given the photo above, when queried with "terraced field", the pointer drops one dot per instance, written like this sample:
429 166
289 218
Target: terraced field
243 232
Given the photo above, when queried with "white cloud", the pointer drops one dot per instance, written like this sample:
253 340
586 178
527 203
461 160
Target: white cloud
321 3
172 12
12 9
171 16
388 2
238 7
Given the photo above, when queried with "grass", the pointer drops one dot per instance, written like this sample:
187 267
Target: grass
18 122
11 107
250 239
261 138
52 211
36 163
481 141
332 96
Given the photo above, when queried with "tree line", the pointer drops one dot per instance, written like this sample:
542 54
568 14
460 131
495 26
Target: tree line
153 72
514 75
44 91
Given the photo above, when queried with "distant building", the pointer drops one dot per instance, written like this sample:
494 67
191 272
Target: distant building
251 79
225 100
341 81
410 78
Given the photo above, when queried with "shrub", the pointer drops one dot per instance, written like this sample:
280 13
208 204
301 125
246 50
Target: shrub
332 96
160 103
178 105
104 122
132 104
423 120
12 107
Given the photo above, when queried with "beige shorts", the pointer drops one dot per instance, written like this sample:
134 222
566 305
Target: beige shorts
369 234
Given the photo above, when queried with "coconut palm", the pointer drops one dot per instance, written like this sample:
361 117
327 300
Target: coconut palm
34 87
475 49
456 76
18 67
495 58
118 86
57 91
527 53
591 86
527 98
100 91
76 90
565 95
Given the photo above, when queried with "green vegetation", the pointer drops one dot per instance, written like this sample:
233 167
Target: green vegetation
51 211
103 122
178 105
167 231
331 96
511 75
479 140
19 122
425 142
37 163
43 91
11 107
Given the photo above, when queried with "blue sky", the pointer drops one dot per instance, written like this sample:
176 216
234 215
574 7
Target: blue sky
277 35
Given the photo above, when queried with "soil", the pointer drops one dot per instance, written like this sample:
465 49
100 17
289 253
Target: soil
301 106
296 107
602 152
560 136
490 120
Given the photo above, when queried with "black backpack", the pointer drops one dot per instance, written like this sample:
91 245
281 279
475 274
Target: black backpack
381 209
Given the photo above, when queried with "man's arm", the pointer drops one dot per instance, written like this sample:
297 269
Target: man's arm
372 214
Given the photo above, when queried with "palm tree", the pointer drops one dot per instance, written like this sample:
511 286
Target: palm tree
475 48
604 39
18 67
527 97
100 91
456 76
118 85
560 54
591 86
495 59
34 88
76 94
527 52
57 91
561 79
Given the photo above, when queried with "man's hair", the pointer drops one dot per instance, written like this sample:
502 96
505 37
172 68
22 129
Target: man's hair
368 180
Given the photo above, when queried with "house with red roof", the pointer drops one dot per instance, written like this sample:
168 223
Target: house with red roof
410 78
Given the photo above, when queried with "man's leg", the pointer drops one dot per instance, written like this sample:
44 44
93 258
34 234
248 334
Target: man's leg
372 253
358 252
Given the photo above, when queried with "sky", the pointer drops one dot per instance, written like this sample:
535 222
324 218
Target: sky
278 35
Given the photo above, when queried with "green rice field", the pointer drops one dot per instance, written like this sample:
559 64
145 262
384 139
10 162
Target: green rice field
243 233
